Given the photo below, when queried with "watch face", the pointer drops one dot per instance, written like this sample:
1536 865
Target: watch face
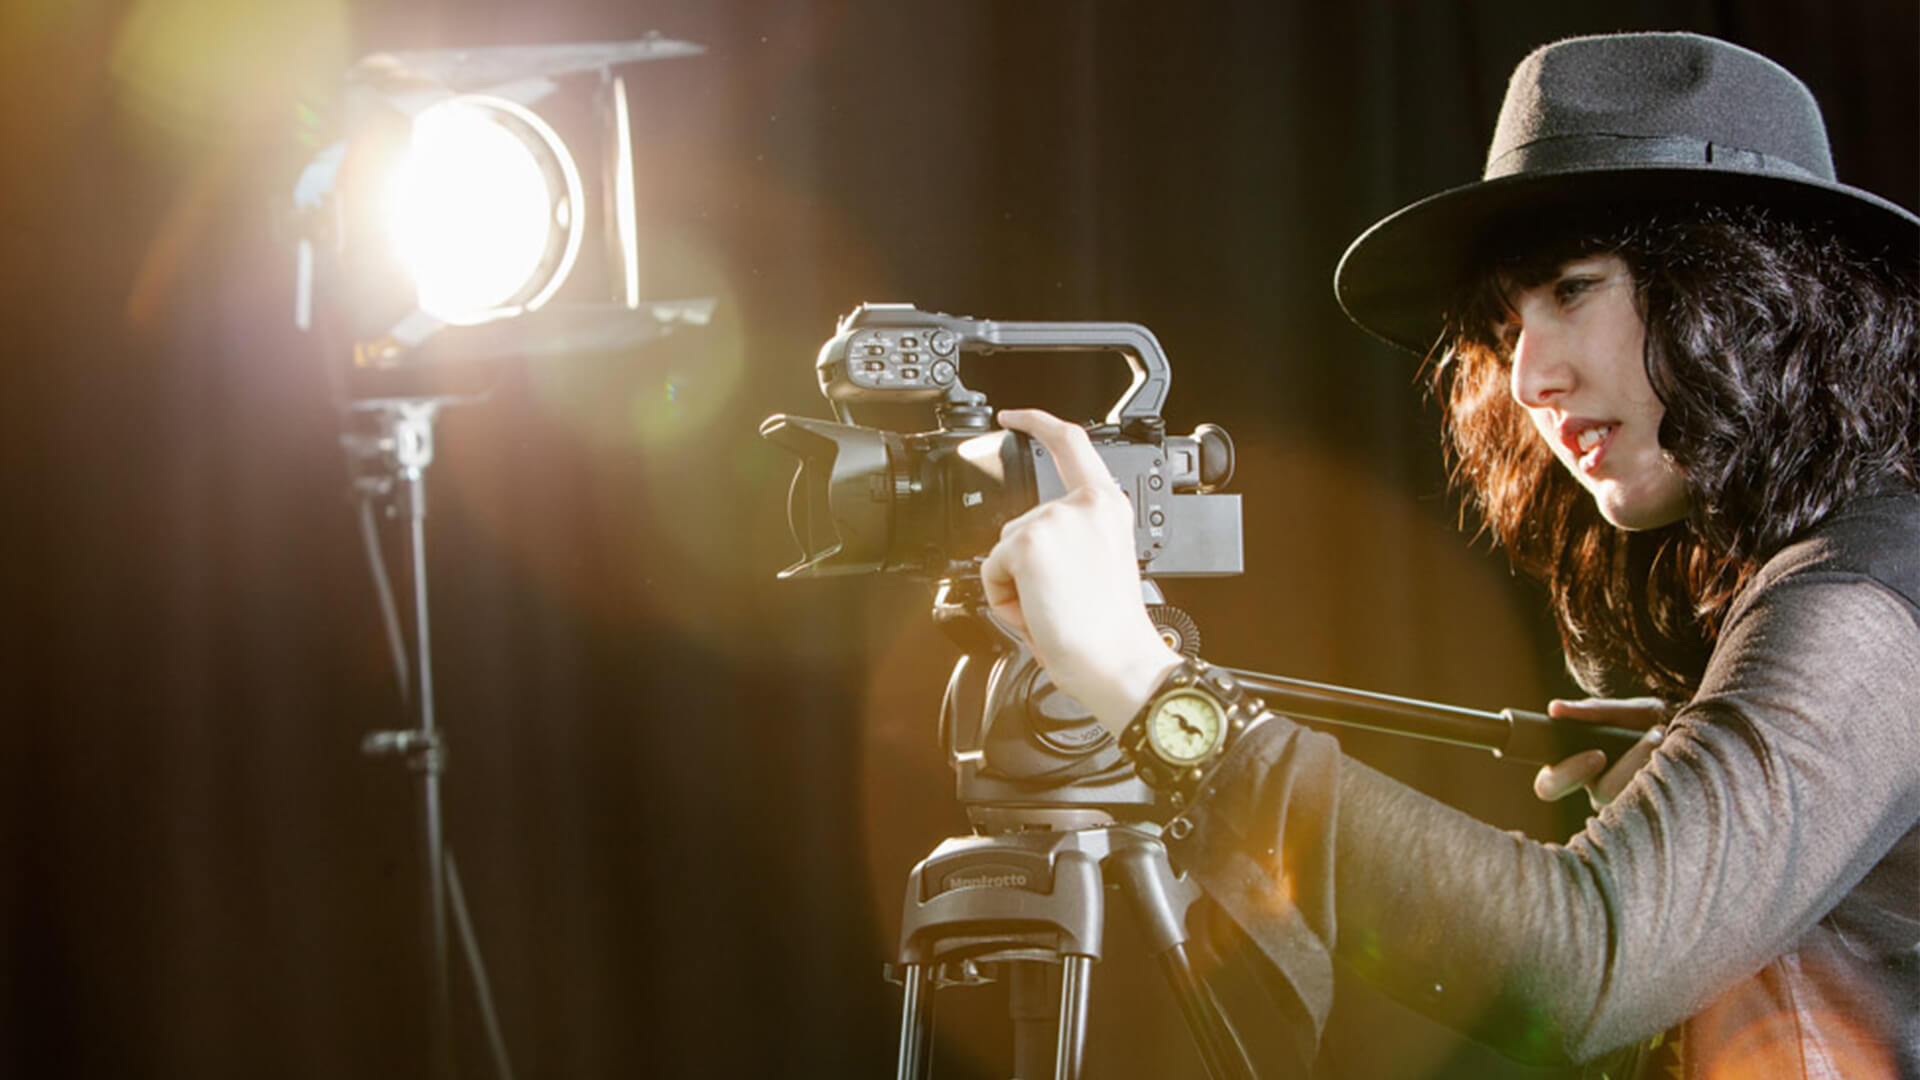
1186 726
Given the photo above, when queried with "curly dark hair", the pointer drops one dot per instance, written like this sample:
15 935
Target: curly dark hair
1789 365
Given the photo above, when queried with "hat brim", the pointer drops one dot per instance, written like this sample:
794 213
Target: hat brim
1397 279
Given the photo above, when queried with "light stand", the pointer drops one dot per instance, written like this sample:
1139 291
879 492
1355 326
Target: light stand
445 233
401 449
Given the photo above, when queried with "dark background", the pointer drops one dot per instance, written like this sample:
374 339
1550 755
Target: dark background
684 796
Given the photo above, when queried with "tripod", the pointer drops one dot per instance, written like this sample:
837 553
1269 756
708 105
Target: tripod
1047 791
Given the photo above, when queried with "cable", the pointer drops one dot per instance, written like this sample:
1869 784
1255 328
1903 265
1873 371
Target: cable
389 612
483 993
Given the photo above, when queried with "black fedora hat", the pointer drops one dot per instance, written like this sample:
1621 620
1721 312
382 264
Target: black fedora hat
1609 119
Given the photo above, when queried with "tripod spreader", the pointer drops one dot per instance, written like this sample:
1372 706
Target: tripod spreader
1514 734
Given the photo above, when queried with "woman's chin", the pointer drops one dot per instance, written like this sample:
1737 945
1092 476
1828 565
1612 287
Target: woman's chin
1643 512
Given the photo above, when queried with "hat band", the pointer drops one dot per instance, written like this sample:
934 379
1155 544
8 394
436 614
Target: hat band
1563 153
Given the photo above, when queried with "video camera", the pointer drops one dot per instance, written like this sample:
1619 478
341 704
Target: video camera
931 504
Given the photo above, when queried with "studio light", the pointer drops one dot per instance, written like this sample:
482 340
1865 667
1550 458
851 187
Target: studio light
477 206
481 204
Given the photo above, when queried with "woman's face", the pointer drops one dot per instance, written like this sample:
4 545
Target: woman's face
1578 344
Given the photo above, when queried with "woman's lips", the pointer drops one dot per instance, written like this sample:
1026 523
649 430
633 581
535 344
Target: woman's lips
1586 441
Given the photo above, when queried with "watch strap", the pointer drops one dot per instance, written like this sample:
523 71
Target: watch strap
1241 709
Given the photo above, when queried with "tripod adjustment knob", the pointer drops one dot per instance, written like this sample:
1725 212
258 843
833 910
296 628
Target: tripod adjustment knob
960 973
1176 628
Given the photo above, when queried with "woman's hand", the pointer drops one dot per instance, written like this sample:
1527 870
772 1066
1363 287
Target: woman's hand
1589 768
1064 576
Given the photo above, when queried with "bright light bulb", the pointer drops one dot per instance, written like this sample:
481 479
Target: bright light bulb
471 213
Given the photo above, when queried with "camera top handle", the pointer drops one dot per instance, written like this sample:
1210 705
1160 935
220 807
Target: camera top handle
898 352
1144 398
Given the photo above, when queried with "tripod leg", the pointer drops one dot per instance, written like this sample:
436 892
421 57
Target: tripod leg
1160 902
916 1024
1076 972
1219 1049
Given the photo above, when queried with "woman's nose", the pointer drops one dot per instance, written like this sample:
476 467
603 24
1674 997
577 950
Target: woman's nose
1540 373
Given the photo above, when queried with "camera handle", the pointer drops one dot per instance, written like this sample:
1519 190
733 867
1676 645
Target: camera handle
898 352
1152 376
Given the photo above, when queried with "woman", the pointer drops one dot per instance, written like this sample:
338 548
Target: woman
1681 371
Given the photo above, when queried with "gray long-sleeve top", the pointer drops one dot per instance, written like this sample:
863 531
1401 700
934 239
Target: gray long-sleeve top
1756 885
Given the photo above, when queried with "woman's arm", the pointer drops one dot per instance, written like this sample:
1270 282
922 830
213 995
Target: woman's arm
1794 770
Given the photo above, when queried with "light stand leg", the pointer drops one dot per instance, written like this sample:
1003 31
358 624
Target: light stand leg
440 1021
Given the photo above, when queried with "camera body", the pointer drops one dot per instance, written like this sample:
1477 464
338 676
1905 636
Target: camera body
931 504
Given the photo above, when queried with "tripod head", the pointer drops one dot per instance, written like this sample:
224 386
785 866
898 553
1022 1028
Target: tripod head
1024 754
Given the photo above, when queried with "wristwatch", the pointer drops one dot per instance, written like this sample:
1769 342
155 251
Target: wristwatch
1187 726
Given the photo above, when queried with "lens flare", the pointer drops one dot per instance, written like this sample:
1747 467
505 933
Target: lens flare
196 71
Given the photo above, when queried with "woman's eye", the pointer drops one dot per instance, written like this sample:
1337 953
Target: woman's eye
1569 289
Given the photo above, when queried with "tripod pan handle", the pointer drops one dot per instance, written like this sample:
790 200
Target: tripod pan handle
1539 739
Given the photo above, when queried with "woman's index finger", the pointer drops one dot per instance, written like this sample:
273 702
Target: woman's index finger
1079 463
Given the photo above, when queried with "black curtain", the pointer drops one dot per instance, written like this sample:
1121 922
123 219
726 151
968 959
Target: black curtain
684 797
